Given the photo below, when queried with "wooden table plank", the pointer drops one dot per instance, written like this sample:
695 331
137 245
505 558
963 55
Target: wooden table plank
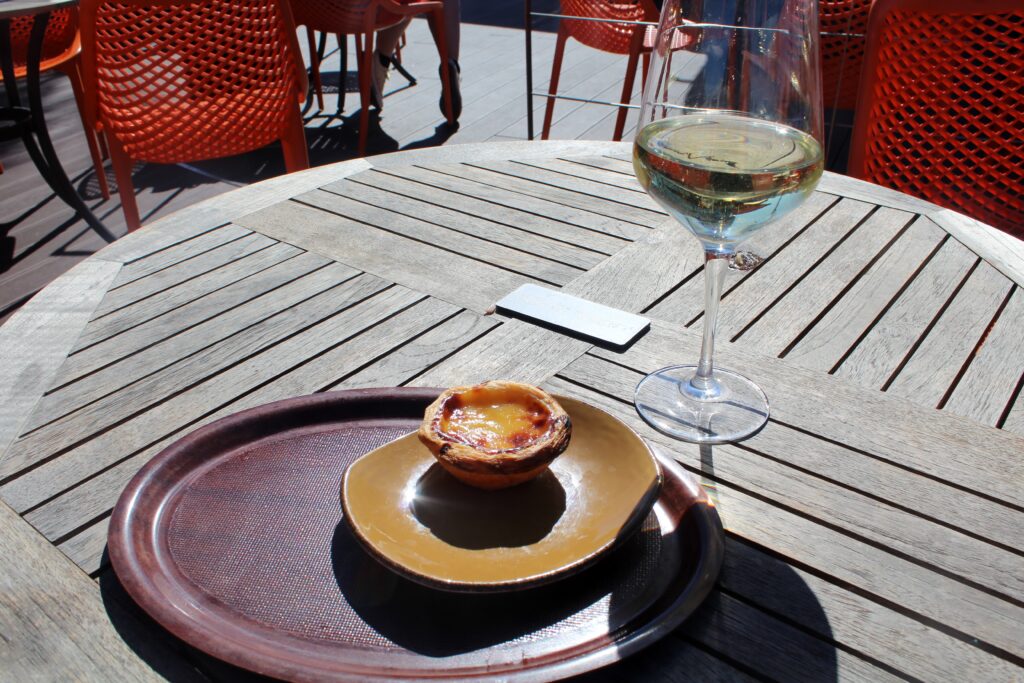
1015 419
993 378
141 312
808 300
499 225
1002 251
934 444
581 186
320 329
185 329
766 470
177 253
157 282
917 590
881 352
453 238
415 358
566 197
775 649
462 281
873 478
878 631
37 339
769 281
165 369
597 175
832 337
589 230
935 366
685 303
52 621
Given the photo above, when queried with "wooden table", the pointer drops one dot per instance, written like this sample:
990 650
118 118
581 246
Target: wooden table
874 527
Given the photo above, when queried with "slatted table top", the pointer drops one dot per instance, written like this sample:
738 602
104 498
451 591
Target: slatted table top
874 528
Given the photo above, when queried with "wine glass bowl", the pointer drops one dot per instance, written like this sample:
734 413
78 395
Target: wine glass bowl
729 140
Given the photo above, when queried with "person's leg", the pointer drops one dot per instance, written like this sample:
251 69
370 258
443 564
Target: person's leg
387 41
452 18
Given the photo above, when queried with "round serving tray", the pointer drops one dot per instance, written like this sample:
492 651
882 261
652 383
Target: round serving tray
233 539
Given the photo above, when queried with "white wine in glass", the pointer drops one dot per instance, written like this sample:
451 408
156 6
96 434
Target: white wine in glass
729 140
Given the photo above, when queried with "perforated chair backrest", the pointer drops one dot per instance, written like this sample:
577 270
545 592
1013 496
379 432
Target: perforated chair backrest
601 35
342 16
60 42
941 108
178 81
843 24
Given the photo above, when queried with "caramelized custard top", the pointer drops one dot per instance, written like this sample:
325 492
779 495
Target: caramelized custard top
493 420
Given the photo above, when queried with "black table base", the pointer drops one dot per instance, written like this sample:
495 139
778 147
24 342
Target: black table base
29 123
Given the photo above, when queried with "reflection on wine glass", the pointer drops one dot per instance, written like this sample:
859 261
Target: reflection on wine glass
729 140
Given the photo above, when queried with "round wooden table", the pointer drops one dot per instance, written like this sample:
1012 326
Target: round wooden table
874 527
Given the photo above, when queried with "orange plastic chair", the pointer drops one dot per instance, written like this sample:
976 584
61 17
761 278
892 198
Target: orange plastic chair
843 25
172 81
608 36
941 108
363 18
62 48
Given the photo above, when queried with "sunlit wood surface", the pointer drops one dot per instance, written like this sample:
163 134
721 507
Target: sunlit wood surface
873 528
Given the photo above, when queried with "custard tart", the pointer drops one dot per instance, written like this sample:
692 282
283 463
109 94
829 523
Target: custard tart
496 434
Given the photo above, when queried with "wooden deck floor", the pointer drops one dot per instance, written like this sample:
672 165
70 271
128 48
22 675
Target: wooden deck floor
41 238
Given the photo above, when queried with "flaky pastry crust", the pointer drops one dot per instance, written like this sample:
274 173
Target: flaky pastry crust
488 467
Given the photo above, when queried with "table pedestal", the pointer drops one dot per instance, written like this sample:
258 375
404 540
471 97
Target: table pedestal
29 124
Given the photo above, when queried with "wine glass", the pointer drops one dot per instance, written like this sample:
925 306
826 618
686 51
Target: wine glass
729 140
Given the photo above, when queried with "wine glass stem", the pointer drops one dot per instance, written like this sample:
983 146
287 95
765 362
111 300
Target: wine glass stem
703 384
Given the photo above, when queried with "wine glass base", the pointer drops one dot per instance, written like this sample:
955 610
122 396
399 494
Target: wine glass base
665 401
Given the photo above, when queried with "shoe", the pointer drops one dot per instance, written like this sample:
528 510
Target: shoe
381 64
455 78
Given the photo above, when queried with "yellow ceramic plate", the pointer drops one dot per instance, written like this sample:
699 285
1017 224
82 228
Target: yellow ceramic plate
426 525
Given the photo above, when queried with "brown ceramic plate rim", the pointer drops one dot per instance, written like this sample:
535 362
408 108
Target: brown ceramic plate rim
157 586
636 517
